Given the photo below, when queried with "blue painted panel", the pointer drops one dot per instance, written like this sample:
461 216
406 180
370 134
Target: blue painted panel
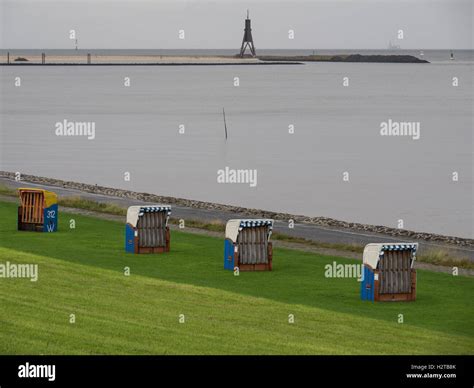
228 253
129 238
50 215
367 285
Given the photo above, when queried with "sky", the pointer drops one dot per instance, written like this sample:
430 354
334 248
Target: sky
329 24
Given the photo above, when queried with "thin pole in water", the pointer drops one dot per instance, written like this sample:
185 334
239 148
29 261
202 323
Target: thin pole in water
225 124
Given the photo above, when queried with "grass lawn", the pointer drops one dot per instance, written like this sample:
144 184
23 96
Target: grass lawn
81 272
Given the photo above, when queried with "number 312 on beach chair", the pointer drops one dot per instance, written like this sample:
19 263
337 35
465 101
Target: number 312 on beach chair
38 210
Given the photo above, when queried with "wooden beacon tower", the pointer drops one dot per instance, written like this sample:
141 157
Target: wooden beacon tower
247 41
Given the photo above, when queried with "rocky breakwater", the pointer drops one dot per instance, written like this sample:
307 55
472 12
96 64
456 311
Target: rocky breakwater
346 58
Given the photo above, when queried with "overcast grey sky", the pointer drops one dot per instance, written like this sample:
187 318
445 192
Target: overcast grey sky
219 24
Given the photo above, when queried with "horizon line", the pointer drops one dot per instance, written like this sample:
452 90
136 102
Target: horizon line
237 49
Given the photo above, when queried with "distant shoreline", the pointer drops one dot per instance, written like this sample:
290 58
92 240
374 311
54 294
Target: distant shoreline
135 60
154 64
195 60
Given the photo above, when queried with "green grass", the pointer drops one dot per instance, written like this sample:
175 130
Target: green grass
215 226
318 244
87 204
5 190
442 257
81 273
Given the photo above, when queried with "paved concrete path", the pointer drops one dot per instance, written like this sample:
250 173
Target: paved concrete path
307 231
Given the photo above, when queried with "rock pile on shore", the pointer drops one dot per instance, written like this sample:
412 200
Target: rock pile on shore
345 58
244 212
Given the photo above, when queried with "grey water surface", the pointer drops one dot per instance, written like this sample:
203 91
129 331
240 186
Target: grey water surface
336 130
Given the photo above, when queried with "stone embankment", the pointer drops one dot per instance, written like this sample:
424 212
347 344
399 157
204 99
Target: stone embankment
240 211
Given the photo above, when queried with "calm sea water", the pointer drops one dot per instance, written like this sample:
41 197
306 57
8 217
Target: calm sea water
337 130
